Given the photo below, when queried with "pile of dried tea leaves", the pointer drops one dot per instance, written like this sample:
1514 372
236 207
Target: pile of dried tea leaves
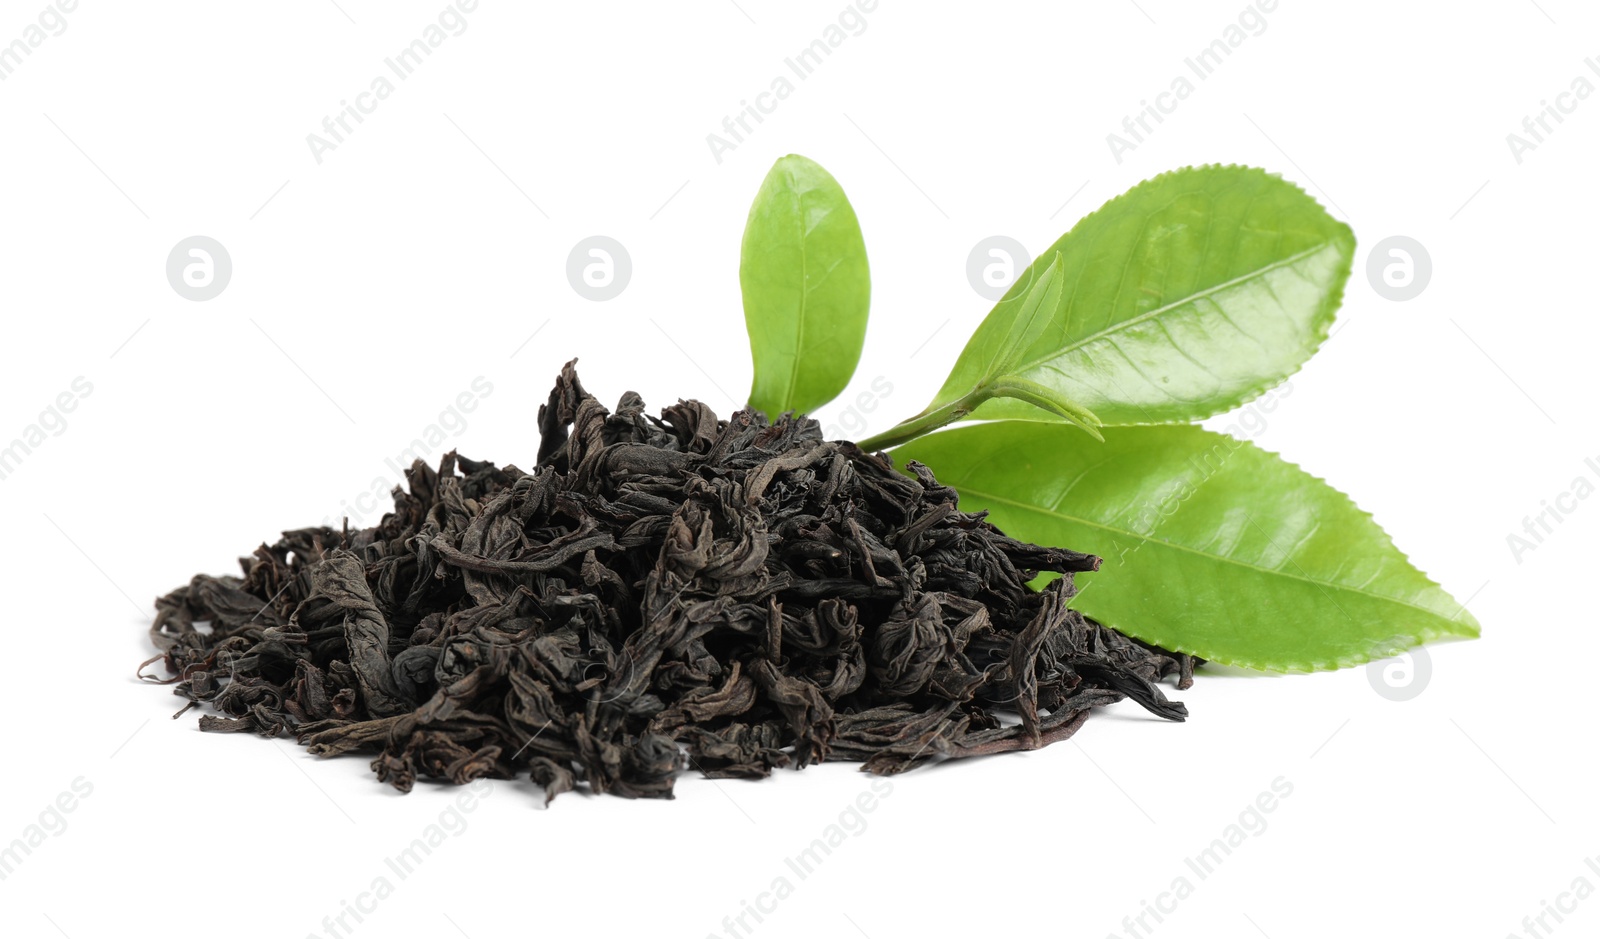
727 595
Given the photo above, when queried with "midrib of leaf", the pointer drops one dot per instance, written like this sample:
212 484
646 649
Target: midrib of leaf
805 293
1112 529
1191 298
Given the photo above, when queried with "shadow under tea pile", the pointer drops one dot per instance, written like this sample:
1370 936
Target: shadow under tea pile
733 596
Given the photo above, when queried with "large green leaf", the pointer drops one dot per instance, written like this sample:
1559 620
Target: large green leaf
1211 545
1184 297
803 270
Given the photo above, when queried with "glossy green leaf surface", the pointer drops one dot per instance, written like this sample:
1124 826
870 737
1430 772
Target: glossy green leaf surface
1184 297
993 357
803 273
1016 323
1211 545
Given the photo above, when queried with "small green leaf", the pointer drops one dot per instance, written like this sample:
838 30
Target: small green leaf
1185 297
1211 546
1020 320
803 271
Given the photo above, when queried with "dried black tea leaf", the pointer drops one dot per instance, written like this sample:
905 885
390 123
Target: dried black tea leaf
658 593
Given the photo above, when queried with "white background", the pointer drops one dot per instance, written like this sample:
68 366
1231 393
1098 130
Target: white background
370 290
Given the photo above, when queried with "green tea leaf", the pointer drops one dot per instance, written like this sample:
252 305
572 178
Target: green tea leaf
803 270
1185 297
1211 545
1020 320
1017 322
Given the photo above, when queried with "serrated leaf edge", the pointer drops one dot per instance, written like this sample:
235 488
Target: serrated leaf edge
1381 649
1334 302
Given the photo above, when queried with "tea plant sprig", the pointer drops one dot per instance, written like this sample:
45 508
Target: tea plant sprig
1187 296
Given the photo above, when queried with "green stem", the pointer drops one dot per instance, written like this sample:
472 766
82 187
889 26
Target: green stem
1041 397
1003 387
926 422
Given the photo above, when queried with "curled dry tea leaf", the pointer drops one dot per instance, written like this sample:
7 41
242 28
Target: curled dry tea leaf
803 272
1212 546
738 592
